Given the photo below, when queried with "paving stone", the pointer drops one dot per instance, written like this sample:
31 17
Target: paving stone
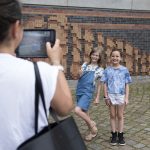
145 148
147 129
146 142
131 142
139 145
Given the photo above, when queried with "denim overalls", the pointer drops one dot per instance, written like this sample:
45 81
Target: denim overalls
85 89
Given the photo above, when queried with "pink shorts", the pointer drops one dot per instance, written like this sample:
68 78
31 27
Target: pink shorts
116 99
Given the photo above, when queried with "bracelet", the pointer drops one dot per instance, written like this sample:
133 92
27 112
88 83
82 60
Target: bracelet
106 98
60 67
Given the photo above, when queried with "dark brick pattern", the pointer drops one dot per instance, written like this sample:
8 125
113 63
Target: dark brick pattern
139 38
81 29
108 20
69 54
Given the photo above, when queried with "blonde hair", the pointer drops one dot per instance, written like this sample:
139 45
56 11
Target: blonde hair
96 49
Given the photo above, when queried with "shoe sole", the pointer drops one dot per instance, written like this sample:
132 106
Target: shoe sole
122 144
113 144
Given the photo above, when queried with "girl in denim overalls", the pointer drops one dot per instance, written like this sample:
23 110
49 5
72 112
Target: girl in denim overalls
89 73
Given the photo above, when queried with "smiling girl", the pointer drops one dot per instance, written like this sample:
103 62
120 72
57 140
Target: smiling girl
116 90
90 73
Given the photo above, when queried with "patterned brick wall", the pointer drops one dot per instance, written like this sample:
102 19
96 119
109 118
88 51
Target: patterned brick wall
81 29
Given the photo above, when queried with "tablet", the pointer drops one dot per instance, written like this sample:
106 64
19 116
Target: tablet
34 41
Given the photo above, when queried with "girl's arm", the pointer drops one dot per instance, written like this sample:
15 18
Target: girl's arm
126 94
107 101
82 68
96 101
105 91
80 72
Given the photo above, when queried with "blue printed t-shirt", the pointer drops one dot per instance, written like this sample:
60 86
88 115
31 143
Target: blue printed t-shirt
116 79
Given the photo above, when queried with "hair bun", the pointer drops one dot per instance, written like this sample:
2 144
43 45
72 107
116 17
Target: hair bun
5 2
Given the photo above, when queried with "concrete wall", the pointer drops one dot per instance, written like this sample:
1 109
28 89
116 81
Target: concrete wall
115 4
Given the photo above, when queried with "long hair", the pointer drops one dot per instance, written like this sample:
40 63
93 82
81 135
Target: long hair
10 12
99 50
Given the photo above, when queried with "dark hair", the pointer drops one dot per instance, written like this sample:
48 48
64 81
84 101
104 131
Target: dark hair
96 49
10 12
118 50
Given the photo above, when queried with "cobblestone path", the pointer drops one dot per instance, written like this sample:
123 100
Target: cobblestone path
137 121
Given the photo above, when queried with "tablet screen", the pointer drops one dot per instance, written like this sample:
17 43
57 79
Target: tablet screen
33 43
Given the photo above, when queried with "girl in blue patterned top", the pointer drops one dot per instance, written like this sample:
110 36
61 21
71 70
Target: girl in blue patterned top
90 73
116 90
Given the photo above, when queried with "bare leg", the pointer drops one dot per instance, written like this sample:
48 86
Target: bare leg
116 121
120 116
85 116
91 124
113 121
113 117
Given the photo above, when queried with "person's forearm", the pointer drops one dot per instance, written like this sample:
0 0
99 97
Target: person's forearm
80 73
105 91
127 91
98 90
62 101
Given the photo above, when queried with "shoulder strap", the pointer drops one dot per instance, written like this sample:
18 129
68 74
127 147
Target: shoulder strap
38 92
